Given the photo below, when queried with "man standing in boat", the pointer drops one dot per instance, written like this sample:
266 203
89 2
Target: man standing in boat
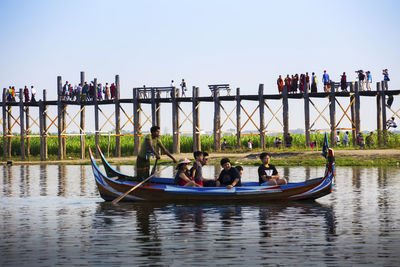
150 147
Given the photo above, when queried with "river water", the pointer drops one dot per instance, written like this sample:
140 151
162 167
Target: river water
52 215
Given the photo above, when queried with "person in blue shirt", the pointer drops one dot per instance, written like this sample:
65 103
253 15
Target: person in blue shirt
369 80
385 77
325 80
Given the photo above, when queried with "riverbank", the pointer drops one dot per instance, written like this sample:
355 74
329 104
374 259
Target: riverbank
373 157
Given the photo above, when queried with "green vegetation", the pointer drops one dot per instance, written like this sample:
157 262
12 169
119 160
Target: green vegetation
207 142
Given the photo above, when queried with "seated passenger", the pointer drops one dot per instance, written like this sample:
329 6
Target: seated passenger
196 172
207 182
182 177
229 176
240 170
267 173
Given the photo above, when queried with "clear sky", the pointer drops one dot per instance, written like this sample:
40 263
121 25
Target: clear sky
242 43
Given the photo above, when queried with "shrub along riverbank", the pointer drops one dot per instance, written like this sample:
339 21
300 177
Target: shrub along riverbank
293 156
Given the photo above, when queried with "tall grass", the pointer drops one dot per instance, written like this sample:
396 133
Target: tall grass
107 144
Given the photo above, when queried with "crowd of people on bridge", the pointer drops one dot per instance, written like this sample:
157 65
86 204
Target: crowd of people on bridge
29 95
88 92
297 83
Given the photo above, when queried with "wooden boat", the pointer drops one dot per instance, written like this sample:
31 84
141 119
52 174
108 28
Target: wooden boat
163 189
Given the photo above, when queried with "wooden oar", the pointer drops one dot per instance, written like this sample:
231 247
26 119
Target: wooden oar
154 168
115 201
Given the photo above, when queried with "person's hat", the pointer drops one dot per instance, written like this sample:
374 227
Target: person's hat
183 161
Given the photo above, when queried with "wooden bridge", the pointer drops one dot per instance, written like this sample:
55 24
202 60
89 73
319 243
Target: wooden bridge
155 96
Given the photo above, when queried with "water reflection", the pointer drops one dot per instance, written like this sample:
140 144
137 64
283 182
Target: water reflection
52 215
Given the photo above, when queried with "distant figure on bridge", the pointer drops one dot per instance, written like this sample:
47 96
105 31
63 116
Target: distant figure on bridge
92 91
295 80
99 92
85 92
287 83
313 83
386 78
183 87
107 92
325 80
369 80
112 90
279 82
391 123
26 93
361 80
33 94
307 81
343 82
302 82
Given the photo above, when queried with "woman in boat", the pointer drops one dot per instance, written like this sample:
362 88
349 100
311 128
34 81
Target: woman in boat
182 176
267 173
150 147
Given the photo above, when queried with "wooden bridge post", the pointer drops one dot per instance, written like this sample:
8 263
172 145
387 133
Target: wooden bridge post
96 118
176 146
9 131
4 124
384 119
285 113
217 120
44 114
59 114
117 118
261 109
22 123
41 129
136 121
238 122
357 107
153 108
82 120
27 122
196 120
307 115
353 114
158 105
378 113
332 114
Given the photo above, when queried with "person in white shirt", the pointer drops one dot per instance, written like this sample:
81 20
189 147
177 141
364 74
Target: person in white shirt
337 138
249 144
33 93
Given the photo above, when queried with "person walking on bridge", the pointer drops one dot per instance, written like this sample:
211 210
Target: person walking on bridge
280 84
325 79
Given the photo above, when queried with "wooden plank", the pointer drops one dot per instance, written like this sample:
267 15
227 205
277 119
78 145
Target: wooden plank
117 118
307 115
217 120
261 105
136 121
196 120
238 122
96 118
332 114
158 108
378 113
59 113
176 147
82 121
4 110
9 131
285 113
22 124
